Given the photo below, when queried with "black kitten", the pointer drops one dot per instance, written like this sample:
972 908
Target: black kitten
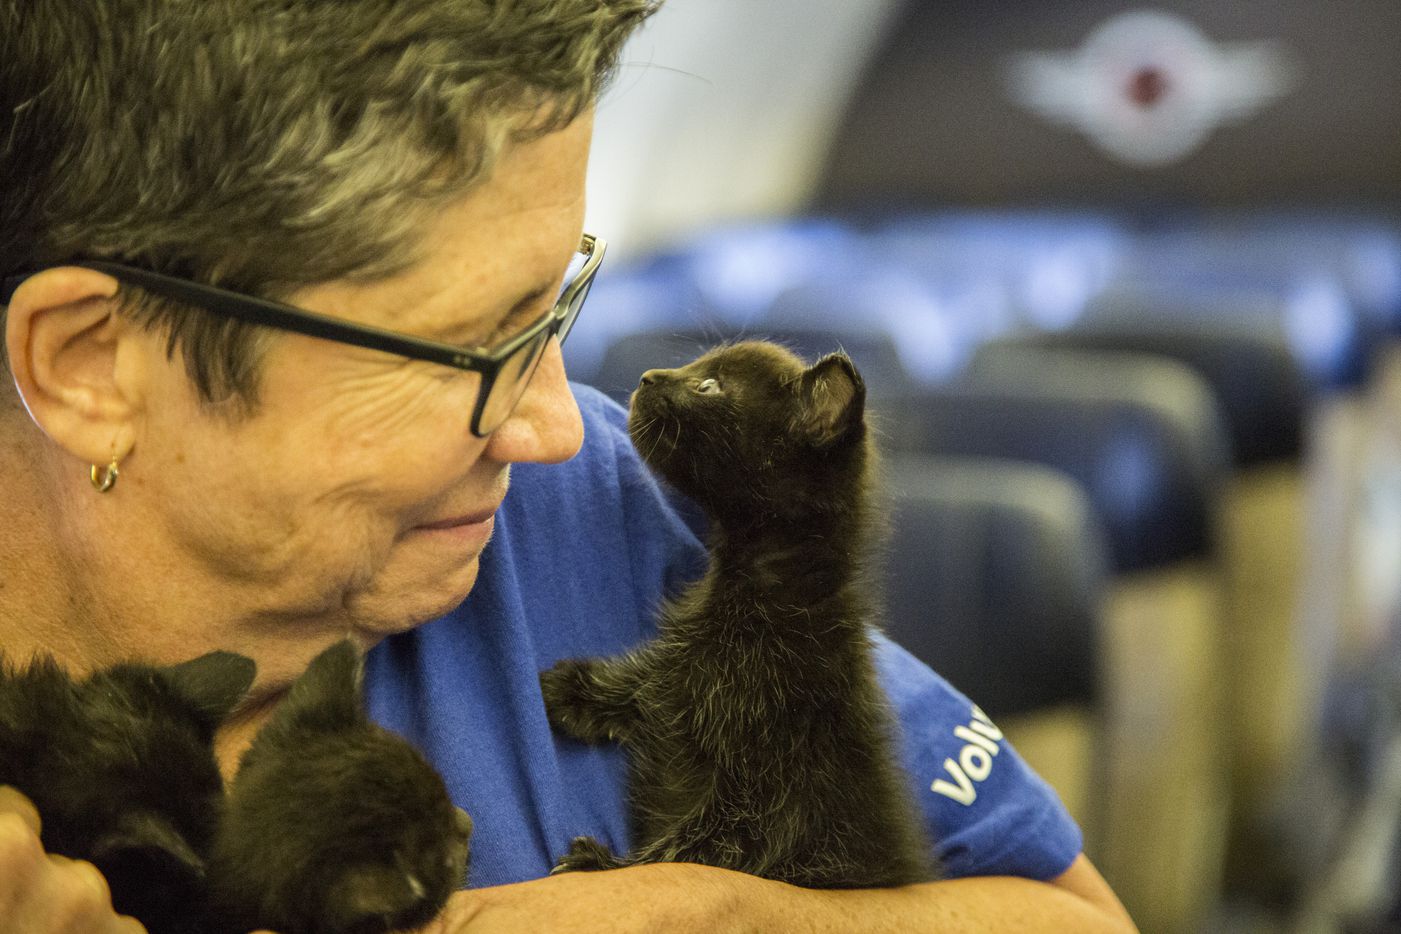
759 739
333 824
121 767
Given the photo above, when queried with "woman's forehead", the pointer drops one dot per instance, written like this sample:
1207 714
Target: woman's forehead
508 239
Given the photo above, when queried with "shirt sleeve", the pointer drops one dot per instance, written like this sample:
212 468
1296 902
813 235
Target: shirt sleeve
986 810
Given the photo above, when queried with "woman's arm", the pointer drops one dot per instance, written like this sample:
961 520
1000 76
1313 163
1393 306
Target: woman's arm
45 894
685 898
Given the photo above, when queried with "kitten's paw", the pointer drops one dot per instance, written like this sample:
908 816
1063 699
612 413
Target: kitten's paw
569 693
591 700
566 685
564 688
587 855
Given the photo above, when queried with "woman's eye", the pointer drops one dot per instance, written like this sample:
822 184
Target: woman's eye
708 386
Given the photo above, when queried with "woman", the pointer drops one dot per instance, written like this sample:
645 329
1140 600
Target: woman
178 479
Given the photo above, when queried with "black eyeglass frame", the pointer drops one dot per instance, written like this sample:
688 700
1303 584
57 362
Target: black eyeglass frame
488 361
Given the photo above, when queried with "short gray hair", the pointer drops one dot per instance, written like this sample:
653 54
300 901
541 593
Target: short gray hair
267 145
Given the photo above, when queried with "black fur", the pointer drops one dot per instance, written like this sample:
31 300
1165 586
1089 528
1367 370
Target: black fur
333 824
759 739
121 767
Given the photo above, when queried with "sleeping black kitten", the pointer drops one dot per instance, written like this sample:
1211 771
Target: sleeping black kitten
121 767
758 737
333 824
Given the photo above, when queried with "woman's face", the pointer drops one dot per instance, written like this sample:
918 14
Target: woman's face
357 499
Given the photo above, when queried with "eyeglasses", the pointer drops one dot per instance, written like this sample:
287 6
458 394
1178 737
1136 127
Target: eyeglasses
505 369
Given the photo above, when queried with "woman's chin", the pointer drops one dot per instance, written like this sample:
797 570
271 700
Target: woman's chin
407 599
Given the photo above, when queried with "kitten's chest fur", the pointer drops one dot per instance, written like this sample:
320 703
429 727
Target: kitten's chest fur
760 673
742 653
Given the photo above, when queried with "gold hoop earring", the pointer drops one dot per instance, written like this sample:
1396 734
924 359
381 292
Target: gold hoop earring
104 478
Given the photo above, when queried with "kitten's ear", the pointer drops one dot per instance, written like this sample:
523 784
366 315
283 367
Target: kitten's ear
214 683
833 398
329 689
142 844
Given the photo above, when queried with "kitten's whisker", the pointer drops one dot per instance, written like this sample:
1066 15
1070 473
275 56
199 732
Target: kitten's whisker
660 438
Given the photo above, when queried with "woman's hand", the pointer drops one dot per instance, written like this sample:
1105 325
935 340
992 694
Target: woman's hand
45 894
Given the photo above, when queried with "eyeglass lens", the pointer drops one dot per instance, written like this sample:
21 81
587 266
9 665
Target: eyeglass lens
511 381
518 369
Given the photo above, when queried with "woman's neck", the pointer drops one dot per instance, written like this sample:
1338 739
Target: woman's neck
76 581
236 735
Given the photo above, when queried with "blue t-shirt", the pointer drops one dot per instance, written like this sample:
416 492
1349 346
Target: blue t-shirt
582 555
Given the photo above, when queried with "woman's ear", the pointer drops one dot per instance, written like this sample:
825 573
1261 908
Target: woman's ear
70 356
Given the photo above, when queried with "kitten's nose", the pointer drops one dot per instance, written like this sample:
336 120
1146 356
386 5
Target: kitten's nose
652 376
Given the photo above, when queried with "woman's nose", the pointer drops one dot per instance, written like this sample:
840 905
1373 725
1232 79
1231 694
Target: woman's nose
545 426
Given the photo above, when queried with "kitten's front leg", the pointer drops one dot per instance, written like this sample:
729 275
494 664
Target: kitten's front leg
588 855
593 700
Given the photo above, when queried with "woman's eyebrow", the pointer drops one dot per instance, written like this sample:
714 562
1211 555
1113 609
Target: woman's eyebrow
454 333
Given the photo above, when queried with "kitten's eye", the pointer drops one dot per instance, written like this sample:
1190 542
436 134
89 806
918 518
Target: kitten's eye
707 386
